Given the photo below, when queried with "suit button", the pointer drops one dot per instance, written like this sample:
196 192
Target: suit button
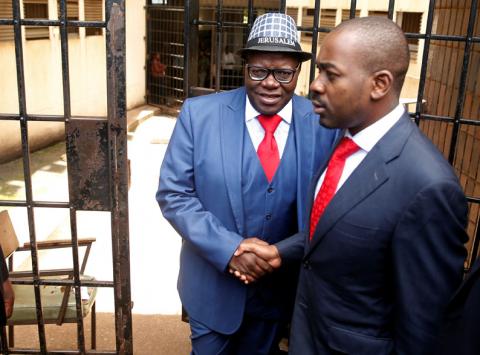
270 190
306 265
268 217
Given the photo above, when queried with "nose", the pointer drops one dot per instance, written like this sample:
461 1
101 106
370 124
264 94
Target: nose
270 81
317 85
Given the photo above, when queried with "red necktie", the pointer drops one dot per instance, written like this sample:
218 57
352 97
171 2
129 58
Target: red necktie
334 171
267 150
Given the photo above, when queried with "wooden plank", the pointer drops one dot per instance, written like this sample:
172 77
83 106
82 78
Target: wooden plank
8 237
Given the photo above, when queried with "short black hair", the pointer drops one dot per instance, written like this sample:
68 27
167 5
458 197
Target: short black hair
382 37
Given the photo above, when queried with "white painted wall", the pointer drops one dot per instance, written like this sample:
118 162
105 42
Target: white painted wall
43 79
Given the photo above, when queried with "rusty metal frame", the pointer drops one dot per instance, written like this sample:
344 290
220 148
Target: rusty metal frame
116 200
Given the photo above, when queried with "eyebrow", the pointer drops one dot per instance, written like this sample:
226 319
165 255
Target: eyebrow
326 66
262 67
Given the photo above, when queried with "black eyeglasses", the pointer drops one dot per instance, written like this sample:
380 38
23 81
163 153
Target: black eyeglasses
283 76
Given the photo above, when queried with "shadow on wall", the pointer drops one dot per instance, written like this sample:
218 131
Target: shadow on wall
40 135
51 159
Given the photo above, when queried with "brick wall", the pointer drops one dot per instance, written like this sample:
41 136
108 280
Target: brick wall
441 94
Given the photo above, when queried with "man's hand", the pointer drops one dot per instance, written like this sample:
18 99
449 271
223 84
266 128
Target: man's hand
248 266
263 252
8 297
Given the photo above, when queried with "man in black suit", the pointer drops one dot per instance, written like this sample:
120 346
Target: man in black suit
460 330
384 249
6 292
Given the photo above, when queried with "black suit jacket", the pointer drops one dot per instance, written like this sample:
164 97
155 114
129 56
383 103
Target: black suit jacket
460 334
386 256
3 277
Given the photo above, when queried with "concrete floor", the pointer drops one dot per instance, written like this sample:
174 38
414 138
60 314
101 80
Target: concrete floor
154 245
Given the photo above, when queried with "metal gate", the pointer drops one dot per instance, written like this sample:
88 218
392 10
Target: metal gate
95 149
445 105
165 52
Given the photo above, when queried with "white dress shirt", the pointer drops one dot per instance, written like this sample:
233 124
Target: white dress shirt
256 131
365 139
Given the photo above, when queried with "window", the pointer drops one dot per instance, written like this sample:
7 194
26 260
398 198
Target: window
72 14
378 13
327 20
35 9
93 12
346 14
307 21
6 12
410 22
293 12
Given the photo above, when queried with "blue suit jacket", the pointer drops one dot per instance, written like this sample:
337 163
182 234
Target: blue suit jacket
386 254
200 194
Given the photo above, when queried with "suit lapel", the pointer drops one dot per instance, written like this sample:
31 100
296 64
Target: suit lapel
305 141
232 131
365 179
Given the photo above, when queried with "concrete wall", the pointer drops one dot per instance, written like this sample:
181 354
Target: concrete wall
43 79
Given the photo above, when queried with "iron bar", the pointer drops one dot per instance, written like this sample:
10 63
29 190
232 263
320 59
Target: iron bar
423 71
117 132
473 199
76 281
353 8
428 117
316 18
219 32
391 7
54 23
26 166
61 282
250 16
187 18
67 115
19 203
49 118
463 81
311 29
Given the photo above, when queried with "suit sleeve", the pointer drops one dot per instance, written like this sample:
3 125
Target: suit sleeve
428 255
292 248
181 205
3 267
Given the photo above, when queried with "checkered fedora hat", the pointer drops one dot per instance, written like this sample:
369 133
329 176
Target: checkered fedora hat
274 32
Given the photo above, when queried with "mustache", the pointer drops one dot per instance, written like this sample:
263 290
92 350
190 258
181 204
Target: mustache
317 101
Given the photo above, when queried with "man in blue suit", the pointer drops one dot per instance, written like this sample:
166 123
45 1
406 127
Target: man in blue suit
384 249
227 175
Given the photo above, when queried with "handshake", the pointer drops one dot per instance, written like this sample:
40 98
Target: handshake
253 259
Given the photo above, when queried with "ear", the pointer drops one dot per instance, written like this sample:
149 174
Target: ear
382 84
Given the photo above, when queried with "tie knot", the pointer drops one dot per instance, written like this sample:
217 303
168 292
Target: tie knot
345 148
269 123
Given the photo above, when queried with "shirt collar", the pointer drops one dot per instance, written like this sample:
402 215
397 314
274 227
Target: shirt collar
369 136
285 113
